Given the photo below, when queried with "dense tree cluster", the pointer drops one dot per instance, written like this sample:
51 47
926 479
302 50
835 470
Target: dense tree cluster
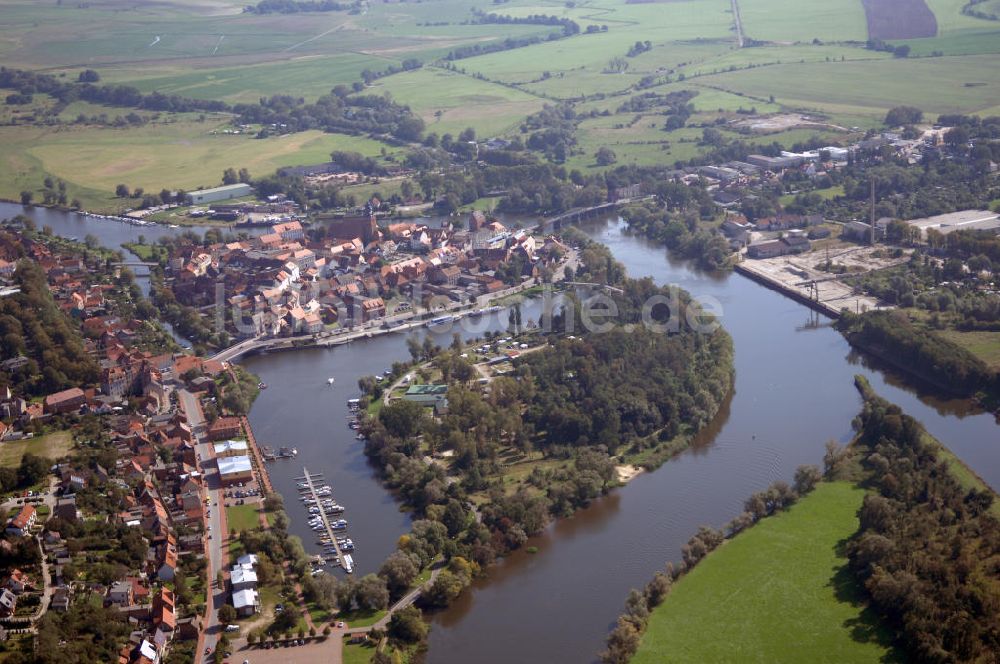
579 401
337 112
903 115
928 551
673 102
892 336
32 325
680 232
950 288
551 131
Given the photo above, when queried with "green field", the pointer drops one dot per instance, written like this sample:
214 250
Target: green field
462 101
936 85
785 21
212 49
777 593
243 517
51 446
185 154
356 653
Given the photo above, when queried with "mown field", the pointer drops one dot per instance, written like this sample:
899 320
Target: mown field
462 101
786 21
936 85
51 446
184 154
776 593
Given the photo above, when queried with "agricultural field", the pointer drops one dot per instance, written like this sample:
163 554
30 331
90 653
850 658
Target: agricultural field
790 21
460 100
185 154
778 592
212 49
936 85
900 19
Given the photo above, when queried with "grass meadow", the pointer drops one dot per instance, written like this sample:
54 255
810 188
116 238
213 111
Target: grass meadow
776 593
462 101
175 155
788 21
51 446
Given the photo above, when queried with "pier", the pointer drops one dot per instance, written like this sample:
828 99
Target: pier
310 479
258 456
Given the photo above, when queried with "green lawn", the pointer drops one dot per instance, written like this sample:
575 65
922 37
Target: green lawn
778 593
50 446
358 653
361 618
243 517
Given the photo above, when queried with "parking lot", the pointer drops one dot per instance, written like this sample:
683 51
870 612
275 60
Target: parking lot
250 492
329 651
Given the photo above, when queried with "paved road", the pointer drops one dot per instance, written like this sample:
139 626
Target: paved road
216 528
738 24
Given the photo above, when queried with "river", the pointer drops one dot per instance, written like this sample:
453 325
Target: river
110 233
793 392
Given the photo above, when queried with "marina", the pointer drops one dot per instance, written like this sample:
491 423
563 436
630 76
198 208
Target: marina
320 506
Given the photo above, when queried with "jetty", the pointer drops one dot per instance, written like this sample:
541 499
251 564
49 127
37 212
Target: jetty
310 479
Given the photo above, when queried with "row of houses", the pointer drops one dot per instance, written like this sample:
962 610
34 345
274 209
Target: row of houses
286 282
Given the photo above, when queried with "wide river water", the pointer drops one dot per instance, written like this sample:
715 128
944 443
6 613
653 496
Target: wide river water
793 392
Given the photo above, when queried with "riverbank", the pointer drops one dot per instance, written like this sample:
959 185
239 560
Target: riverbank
825 294
778 592
551 606
923 355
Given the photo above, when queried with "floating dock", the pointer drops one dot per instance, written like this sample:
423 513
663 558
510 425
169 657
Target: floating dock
310 479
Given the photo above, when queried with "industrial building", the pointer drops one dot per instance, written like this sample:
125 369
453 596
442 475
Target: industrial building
224 193
965 220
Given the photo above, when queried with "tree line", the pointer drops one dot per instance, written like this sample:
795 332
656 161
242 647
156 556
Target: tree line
29 82
624 639
928 550
335 112
33 326
891 336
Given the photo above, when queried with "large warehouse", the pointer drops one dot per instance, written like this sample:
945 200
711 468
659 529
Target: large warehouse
202 196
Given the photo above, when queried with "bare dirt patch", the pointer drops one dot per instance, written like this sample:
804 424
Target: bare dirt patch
899 19
627 473
770 124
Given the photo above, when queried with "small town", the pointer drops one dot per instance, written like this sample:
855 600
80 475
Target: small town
491 331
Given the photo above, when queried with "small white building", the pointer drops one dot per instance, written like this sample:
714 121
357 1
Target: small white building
246 602
231 448
243 578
